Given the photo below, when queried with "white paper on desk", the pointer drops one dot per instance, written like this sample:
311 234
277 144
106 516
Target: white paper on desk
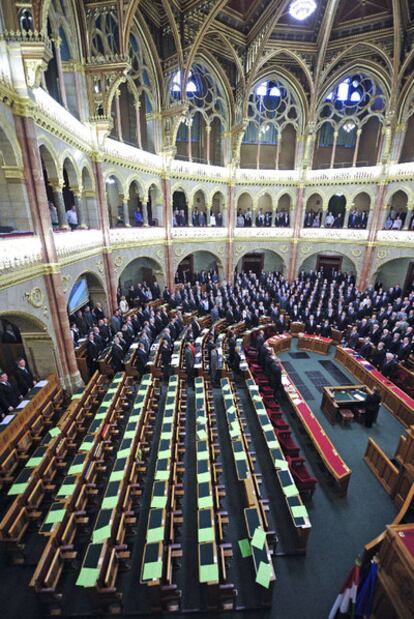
41 383
6 420
22 404
359 397
134 346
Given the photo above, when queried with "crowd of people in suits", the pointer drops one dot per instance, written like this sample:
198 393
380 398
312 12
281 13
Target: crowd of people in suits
14 388
377 322
198 218
396 219
245 219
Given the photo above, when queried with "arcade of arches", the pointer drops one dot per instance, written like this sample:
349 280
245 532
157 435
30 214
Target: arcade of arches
148 144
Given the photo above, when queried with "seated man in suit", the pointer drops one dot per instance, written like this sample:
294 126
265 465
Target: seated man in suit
8 393
24 377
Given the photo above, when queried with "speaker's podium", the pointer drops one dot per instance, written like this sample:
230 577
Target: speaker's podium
394 597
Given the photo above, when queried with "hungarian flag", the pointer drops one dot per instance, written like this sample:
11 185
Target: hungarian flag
345 602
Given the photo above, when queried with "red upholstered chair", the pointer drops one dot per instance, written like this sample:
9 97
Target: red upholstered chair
305 482
273 416
279 423
288 445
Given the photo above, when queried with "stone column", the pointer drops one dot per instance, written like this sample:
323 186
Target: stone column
355 158
296 225
208 213
137 106
60 205
118 115
62 88
208 132
77 200
406 225
373 229
144 211
190 154
398 142
125 212
231 219
334 149
110 277
347 214
27 137
279 141
190 215
169 262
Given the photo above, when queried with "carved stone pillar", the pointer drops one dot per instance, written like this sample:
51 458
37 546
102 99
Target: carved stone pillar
118 115
137 106
373 229
144 211
169 262
406 225
358 138
398 143
208 132
78 202
125 212
309 148
296 225
26 134
111 279
60 205
231 206
334 149
190 152
62 88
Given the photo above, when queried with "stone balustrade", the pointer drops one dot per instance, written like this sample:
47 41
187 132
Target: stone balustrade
396 236
199 233
332 234
19 253
127 236
263 233
78 242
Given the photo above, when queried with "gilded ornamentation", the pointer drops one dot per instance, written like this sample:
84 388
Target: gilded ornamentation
35 297
100 266
356 253
179 252
65 282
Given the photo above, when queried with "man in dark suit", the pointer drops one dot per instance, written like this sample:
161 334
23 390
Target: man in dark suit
117 355
24 377
189 363
141 359
310 326
8 393
372 404
378 357
389 365
366 348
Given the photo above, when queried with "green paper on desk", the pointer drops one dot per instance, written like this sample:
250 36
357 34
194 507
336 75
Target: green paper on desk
130 434
273 444
205 501
33 462
299 511
75 469
100 416
164 454
86 445
77 396
166 436
231 410
283 465
162 475
206 535
109 502
245 548
117 476
100 535
259 538
264 574
155 535
209 573
159 501
17 489
239 455
55 432
105 404
123 453
111 391
267 427
66 490
55 516
152 571
203 477
202 435
170 407
289 491
88 577
134 418
202 455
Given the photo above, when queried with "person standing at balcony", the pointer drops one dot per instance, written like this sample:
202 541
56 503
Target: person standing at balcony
397 223
72 217
53 215
202 219
248 221
330 220
213 222
268 219
240 219
260 220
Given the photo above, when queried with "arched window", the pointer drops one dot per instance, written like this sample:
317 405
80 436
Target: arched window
349 123
105 35
269 141
200 134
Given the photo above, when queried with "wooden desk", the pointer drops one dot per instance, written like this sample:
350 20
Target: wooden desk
347 396
37 399
280 343
314 343
332 461
395 399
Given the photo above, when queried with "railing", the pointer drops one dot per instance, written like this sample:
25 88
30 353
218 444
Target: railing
206 233
122 236
19 253
77 242
382 467
51 109
333 234
396 236
263 233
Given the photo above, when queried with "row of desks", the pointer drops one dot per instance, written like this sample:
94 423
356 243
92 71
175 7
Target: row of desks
332 461
395 399
297 511
256 544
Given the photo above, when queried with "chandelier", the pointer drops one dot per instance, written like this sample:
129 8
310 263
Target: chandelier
302 9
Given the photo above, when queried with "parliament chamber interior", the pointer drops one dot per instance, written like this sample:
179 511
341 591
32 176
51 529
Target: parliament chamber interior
207 309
